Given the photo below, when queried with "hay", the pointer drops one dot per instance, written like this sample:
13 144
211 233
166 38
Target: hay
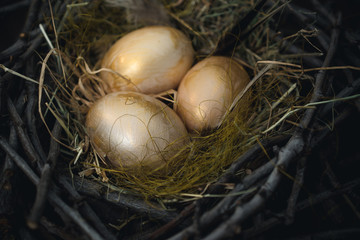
284 149
88 30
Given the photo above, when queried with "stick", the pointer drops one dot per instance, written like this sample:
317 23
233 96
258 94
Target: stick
9 167
41 196
286 155
299 180
228 176
53 198
307 203
214 215
14 7
30 117
23 137
125 201
32 15
45 180
5 79
86 209
229 41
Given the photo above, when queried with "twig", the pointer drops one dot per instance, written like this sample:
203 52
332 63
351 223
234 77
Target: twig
8 166
309 202
31 122
348 233
20 63
170 226
336 184
325 12
14 7
347 91
9 169
125 201
307 16
23 137
53 198
228 176
228 42
75 216
86 210
318 91
41 195
231 227
299 180
54 149
18 46
30 117
56 230
32 15
286 155
45 180
214 215
17 74
20 162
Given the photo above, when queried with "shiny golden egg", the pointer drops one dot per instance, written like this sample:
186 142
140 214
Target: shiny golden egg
207 91
131 130
148 60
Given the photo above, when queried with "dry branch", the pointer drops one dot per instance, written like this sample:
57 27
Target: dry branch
245 210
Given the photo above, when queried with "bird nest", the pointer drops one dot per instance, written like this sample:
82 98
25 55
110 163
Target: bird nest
282 151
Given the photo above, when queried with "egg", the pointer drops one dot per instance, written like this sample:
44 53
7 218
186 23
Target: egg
208 90
149 60
132 130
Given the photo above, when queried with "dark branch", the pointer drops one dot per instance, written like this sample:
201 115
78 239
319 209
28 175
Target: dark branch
53 198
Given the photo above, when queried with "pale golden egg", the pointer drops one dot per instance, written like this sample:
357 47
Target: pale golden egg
149 60
207 91
134 130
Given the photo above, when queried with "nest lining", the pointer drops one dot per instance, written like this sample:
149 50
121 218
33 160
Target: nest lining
89 30
253 183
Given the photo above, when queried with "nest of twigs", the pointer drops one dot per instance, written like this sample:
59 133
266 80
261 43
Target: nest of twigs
281 168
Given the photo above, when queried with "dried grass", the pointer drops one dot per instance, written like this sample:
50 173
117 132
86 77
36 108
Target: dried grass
271 105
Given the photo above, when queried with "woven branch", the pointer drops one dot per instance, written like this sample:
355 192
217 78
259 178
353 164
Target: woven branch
283 184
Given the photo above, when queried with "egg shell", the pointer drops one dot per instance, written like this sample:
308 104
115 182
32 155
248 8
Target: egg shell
154 59
134 130
207 91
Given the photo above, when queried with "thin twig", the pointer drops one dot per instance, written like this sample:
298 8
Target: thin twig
45 180
23 137
307 203
53 198
229 41
14 7
32 15
85 209
287 154
5 79
231 227
31 128
214 215
41 196
299 180
336 184
30 117
125 201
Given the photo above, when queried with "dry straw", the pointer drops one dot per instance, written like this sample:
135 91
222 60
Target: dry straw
271 104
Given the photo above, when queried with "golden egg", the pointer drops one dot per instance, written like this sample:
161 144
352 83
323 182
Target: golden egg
207 91
134 130
149 60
